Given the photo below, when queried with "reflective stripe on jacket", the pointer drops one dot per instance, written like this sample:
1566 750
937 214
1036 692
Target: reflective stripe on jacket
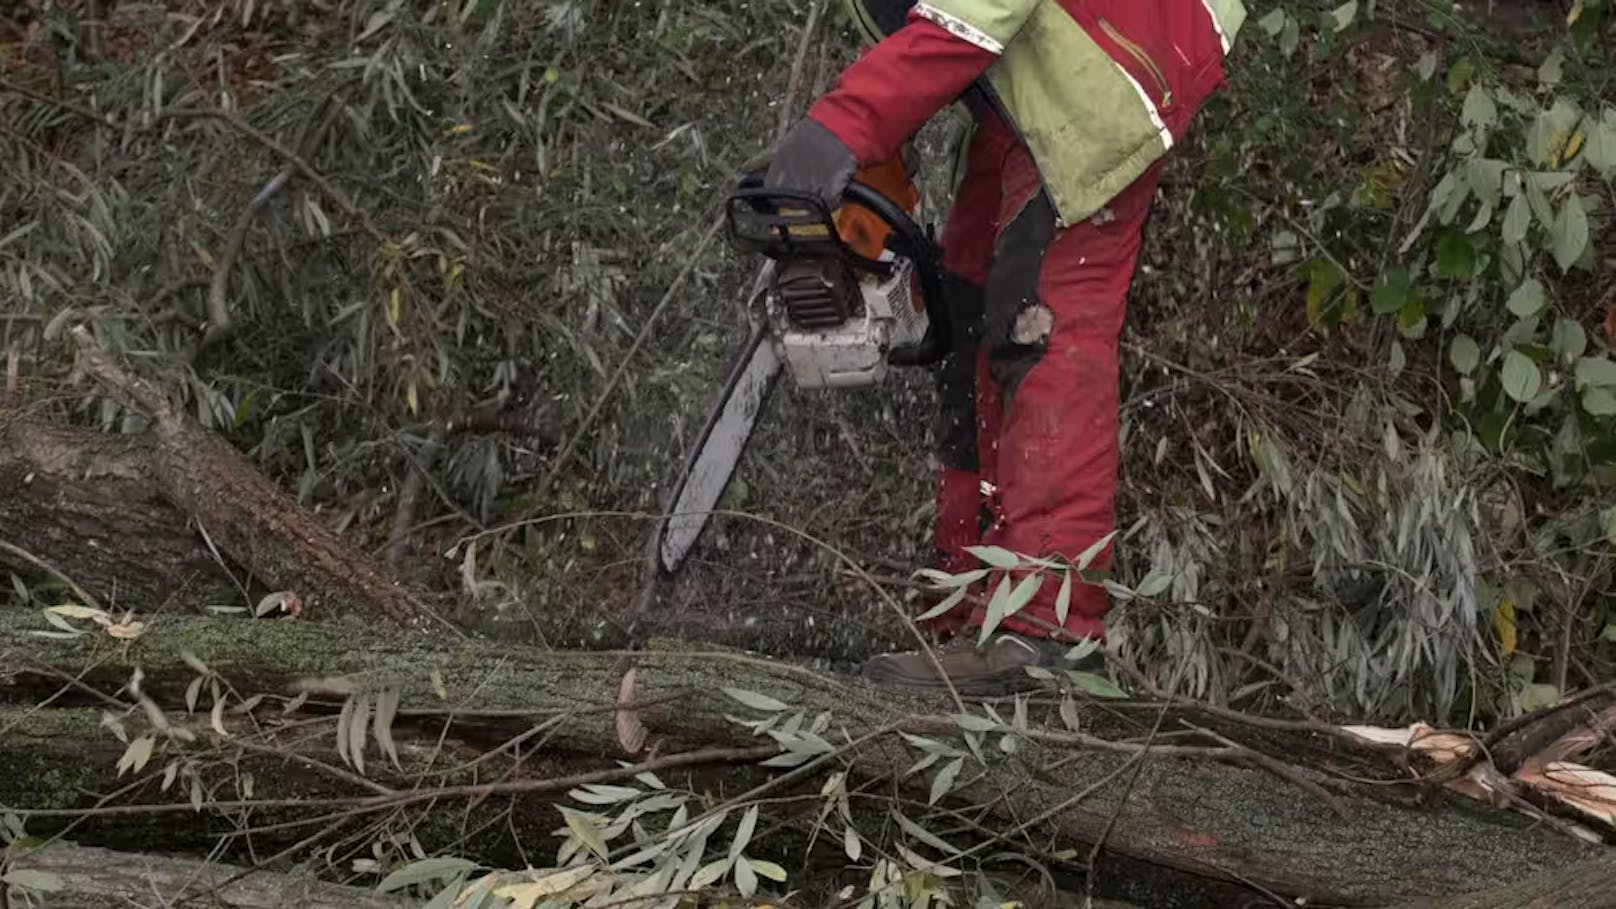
1099 90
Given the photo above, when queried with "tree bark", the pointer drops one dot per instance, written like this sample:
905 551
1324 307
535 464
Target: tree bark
85 502
1584 886
95 878
1198 823
246 517
288 769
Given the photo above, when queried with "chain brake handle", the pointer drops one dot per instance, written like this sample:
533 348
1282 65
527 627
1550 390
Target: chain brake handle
771 221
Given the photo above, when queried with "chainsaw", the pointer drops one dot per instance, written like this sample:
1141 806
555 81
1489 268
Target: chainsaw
841 298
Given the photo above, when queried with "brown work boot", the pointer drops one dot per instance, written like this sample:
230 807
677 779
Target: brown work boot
995 669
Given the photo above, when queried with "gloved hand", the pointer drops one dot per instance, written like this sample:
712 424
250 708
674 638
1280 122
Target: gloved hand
812 159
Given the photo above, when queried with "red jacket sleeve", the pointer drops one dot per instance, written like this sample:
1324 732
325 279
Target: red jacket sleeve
894 88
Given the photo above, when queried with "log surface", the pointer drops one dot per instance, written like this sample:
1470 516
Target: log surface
1210 821
97 878
85 502
1591 885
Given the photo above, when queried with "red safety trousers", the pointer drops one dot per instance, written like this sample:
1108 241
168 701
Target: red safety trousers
1045 376
1038 377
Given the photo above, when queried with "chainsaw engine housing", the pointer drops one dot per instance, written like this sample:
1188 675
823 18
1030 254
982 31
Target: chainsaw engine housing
834 325
852 292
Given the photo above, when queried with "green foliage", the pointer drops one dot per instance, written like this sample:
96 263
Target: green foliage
1382 248
1433 187
1534 148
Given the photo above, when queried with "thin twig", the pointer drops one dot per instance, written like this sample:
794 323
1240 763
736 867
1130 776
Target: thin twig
20 553
786 779
1562 652
214 891
1133 780
794 81
1278 724
11 394
220 322
331 770
1276 767
409 494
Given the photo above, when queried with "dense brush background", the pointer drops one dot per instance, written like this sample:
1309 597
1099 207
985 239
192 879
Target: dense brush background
1364 501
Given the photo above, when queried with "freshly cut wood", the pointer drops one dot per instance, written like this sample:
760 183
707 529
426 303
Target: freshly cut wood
92 878
1208 828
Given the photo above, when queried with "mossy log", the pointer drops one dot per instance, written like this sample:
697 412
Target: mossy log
280 776
93 878
1199 823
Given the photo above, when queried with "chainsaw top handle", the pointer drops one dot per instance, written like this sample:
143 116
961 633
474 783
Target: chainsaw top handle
786 224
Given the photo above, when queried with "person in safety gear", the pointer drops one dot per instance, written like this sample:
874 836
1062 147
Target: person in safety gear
1074 104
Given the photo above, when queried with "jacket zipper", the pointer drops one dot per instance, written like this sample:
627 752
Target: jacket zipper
1144 59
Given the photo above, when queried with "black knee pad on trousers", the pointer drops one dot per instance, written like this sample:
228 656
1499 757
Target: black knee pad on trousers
1012 289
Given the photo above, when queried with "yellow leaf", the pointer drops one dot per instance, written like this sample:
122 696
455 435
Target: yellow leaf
460 129
136 755
478 889
411 398
393 308
202 254
1504 625
1573 146
1575 14
525 896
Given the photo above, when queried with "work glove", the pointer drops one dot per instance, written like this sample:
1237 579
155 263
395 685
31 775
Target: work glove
811 159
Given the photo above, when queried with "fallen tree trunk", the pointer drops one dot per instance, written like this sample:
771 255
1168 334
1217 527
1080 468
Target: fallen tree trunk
91 878
85 500
84 503
1196 817
1585 886
245 516
286 767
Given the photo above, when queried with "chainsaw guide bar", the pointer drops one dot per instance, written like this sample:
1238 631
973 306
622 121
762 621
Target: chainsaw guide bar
718 448
834 311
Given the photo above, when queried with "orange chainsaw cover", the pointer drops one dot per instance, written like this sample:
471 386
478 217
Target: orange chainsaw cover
861 229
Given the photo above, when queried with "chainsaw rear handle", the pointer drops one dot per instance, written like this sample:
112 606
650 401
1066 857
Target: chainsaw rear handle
757 222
